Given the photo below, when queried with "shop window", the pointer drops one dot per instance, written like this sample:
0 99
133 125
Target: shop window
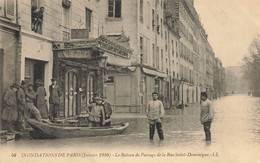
114 8
37 12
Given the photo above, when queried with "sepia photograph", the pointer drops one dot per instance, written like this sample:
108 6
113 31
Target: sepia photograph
130 81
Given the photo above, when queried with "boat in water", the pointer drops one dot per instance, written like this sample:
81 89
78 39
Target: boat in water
48 130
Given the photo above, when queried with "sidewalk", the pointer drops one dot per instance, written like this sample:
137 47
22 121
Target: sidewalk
140 115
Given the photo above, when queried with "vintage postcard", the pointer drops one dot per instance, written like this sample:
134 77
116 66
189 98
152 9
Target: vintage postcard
130 81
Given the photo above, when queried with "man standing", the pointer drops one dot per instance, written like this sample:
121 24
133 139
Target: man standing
206 115
22 106
30 97
54 99
155 113
10 107
96 113
107 110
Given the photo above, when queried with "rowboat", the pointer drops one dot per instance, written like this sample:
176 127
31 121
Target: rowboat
47 130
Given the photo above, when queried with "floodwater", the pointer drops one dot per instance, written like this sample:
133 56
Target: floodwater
235 133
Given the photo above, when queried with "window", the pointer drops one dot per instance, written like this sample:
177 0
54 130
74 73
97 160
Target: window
154 58
114 8
37 13
161 28
162 59
166 42
148 15
172 48
10 9
176 49
157 57
141 49
88 19
141 10
153 23
157 23
166 63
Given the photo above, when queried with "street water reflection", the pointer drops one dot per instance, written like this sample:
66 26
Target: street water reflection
235 131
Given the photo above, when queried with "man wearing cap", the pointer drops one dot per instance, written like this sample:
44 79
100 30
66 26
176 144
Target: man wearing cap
54 99
155 112
30 97
96 113
22 106
206 115
10 114
107 111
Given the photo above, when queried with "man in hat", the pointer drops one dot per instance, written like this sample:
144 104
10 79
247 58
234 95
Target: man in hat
10 114
155 112
30 97
207 114
54 100
22 105
96 113
107 111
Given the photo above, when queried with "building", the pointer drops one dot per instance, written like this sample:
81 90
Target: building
154 41
189 65
219 79
70 45
10 47
124 50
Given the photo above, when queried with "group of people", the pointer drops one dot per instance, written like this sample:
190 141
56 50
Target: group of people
155 113
21 102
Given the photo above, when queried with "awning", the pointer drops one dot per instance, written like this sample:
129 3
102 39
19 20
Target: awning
154 73
117 61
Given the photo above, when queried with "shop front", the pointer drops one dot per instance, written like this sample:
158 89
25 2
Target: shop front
80 67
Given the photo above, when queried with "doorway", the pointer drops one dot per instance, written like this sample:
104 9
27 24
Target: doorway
34 69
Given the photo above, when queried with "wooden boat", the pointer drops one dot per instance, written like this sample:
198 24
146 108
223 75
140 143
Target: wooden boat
47 130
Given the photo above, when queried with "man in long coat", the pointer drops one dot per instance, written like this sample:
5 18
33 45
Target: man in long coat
54 99
22 105
9 115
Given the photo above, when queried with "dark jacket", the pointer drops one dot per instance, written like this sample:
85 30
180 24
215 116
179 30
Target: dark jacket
107 109
10 106
21 98
30 96
55 94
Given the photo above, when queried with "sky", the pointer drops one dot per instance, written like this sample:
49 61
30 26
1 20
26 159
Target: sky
231 26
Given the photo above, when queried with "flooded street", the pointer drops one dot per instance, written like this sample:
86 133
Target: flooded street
235 132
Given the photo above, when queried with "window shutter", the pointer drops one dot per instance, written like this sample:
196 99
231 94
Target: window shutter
10 9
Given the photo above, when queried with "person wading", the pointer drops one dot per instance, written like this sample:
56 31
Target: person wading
155 113
206 115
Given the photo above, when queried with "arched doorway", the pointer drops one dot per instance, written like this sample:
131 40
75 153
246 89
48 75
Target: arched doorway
71 93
